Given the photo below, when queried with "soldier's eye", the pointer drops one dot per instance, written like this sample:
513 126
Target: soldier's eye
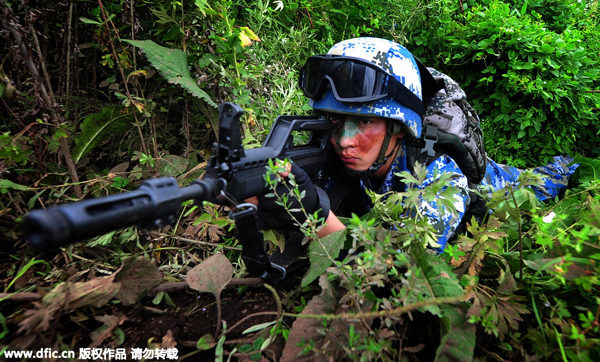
334 119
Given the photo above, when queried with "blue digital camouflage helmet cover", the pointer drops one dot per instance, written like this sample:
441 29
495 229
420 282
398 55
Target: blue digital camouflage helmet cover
398 62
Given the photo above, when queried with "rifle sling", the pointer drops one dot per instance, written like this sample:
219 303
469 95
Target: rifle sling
293 256
253 247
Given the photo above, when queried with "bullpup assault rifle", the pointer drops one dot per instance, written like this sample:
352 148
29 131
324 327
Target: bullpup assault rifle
232 175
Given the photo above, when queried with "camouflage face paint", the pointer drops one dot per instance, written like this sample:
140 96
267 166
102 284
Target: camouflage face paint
348 128
358 140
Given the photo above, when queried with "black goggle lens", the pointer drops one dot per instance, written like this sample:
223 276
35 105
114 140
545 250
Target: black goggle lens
351 80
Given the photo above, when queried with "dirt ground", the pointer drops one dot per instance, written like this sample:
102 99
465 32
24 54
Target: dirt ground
195 315
179 324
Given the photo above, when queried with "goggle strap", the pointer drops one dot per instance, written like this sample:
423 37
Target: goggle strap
403 95
429 86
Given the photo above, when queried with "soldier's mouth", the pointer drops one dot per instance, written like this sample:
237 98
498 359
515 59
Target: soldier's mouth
349 159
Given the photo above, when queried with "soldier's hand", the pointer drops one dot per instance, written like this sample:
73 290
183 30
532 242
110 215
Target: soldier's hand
273 215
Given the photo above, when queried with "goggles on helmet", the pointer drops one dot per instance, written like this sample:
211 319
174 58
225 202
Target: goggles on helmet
353 80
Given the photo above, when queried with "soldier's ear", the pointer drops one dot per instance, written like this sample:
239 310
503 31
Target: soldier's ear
396 129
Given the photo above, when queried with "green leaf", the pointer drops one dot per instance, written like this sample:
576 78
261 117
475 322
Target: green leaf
168 301
433 278
523 9
247 35
120 182
458 335
205 217
220 343
32 200
119 336
322 252
101 240
483 44
202 5
7 185
172 65
172 165
526 199
245 348
527 66
89 21
257 343
274 238
98 127
205 342
259 327
158 298
589 169
547 48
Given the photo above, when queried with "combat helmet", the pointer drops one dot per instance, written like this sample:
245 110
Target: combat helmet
367 77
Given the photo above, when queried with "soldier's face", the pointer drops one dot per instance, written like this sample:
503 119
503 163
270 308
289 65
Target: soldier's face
358 140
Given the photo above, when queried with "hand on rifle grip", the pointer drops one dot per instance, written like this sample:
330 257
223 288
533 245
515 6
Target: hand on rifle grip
272 215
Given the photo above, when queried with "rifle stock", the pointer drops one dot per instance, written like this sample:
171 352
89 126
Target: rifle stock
233 172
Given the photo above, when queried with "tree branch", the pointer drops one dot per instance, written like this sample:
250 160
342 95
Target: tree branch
11 24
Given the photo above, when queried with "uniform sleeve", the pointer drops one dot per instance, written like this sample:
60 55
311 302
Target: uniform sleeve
555 176
445 221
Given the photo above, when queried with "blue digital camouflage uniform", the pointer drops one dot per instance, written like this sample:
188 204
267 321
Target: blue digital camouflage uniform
446 110
556 177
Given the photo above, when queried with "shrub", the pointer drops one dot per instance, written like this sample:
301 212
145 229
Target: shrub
528 67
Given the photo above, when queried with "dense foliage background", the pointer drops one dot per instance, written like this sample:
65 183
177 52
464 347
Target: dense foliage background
93 102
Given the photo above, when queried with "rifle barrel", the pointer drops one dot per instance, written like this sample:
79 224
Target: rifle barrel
151 206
